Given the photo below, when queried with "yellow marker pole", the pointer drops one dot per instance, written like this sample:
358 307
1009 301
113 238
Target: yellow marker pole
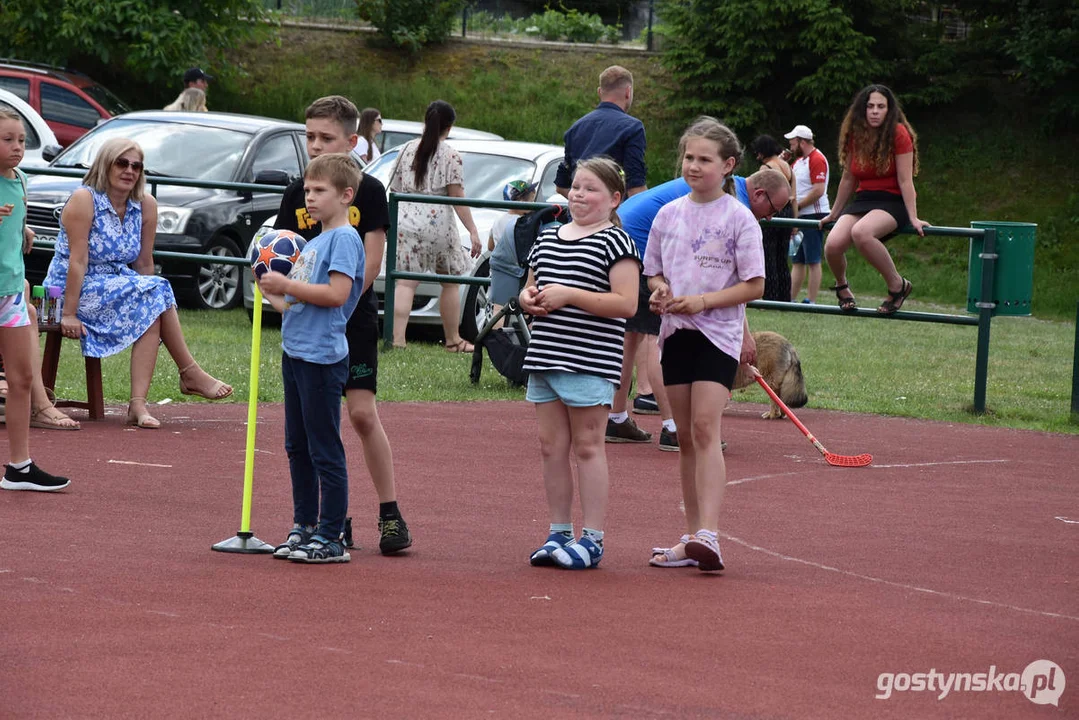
245 541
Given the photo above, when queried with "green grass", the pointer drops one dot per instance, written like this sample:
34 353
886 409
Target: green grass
905 369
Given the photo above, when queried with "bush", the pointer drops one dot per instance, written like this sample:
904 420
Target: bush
571 26
411 24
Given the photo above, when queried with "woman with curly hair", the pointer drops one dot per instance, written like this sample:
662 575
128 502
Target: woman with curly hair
878 150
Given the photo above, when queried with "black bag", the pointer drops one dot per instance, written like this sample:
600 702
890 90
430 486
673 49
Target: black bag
527 228
503 347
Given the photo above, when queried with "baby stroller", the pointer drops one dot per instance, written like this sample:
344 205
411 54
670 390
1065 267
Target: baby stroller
506 345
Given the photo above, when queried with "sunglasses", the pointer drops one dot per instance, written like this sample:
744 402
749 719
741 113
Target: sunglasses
124 164
771 204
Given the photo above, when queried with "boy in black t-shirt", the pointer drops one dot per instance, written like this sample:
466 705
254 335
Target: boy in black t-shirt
331 128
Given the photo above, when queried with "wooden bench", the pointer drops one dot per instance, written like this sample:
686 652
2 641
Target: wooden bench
50 361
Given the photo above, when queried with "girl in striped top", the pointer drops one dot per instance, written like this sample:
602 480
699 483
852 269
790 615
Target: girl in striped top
582 284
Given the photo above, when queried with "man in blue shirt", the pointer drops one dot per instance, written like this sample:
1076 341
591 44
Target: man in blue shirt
608 130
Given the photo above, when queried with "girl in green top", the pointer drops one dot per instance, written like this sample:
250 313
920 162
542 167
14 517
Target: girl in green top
17 337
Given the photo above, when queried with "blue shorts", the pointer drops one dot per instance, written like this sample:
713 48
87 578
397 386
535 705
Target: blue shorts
809 252
573 389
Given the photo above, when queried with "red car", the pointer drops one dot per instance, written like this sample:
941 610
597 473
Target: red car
71 103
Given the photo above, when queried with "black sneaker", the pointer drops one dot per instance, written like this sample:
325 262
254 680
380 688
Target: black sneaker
626 432
668 440
646 405
32 478
393 535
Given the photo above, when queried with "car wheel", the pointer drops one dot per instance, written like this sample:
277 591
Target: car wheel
476 310
217 286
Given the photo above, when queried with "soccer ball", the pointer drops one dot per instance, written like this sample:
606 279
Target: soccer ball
277 250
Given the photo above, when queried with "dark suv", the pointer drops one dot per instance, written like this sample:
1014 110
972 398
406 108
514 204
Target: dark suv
215 147
70 102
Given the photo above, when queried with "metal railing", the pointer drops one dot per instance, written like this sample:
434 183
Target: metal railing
988 258
154 181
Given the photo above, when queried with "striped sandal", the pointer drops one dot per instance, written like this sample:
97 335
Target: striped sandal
579 555
542 557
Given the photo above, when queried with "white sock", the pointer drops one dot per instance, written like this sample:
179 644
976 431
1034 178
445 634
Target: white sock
669 425
618 418
23 467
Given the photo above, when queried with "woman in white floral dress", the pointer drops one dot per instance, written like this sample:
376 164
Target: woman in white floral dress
107 225
427 239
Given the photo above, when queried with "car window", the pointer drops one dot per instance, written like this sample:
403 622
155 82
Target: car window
277 153
64 106
168 148
106 99
392 138
33 142
547 187
380 169
20 87
485 175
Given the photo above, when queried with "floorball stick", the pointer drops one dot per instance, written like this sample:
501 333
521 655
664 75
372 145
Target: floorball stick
829 457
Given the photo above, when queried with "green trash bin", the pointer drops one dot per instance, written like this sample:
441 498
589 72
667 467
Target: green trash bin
1013 279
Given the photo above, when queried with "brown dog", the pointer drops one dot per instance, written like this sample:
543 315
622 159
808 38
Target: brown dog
781 369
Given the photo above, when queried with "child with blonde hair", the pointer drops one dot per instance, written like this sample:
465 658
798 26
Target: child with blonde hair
17 336
704 261
582 285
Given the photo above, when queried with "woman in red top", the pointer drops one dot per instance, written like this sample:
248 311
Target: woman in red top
879 153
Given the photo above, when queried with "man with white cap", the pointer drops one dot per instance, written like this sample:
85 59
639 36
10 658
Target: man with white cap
810 169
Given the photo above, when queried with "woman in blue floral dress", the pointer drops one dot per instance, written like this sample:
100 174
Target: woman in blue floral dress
108 225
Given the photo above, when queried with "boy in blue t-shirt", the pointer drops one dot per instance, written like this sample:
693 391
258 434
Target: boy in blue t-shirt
315 300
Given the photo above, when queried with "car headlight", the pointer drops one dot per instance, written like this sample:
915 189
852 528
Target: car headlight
172 220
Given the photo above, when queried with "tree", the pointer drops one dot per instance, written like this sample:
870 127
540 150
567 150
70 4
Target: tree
152 40
411 24
745 60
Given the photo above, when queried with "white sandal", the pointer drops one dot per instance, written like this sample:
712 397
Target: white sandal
670 557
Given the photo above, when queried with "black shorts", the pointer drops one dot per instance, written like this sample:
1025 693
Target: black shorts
689 357
890 203
362 334
645 321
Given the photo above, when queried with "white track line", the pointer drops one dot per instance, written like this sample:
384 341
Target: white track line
141 464
943 462
1066 520
892 583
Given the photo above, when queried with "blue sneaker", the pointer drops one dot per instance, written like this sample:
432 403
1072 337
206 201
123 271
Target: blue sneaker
320 550
578 555
807 301
555 541
297 536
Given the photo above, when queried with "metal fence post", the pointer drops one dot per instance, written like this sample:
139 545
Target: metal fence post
651 13
1075 368
986 306
388 291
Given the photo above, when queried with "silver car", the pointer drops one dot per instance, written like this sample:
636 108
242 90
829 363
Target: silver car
488 166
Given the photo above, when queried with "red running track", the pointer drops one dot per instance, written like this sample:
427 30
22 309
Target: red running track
952 552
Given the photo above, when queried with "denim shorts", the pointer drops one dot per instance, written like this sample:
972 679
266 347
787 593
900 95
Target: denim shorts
573 389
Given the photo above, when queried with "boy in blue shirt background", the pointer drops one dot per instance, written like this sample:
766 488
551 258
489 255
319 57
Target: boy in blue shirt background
315 300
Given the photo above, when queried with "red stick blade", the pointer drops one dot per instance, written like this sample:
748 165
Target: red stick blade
848 460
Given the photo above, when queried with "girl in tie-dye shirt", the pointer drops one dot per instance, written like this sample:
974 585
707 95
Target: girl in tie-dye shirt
704 262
